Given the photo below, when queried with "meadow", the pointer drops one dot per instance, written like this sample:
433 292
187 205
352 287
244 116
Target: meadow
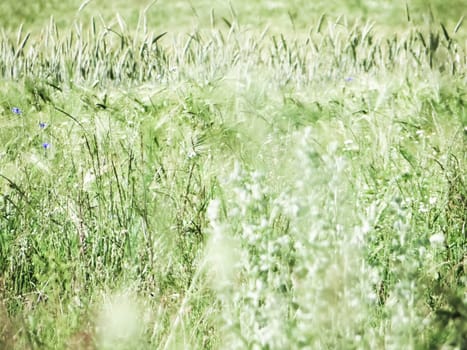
233 175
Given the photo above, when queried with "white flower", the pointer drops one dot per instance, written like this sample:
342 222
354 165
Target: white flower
437 239
212 211
192 154
423 209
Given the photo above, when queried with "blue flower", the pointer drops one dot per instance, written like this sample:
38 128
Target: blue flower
45 145
16 110
42 125
348 79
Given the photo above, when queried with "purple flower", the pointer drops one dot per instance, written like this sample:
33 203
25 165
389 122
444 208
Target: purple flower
16 110
348 79
45 145
42 125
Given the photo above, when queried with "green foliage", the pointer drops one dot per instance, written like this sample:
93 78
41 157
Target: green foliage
233 187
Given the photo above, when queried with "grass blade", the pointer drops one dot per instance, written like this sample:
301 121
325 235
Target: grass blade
458 25
83 5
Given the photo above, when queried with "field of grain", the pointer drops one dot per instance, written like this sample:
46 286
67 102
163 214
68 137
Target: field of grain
233 175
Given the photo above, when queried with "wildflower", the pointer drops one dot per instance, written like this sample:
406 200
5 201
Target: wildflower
437 239
192 154
348 79
42 125
422 208
213 209
16 110
45 145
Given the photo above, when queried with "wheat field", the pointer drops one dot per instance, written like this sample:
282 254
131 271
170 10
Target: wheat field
233 175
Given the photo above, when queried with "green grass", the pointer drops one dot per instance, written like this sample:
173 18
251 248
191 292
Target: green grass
264 177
